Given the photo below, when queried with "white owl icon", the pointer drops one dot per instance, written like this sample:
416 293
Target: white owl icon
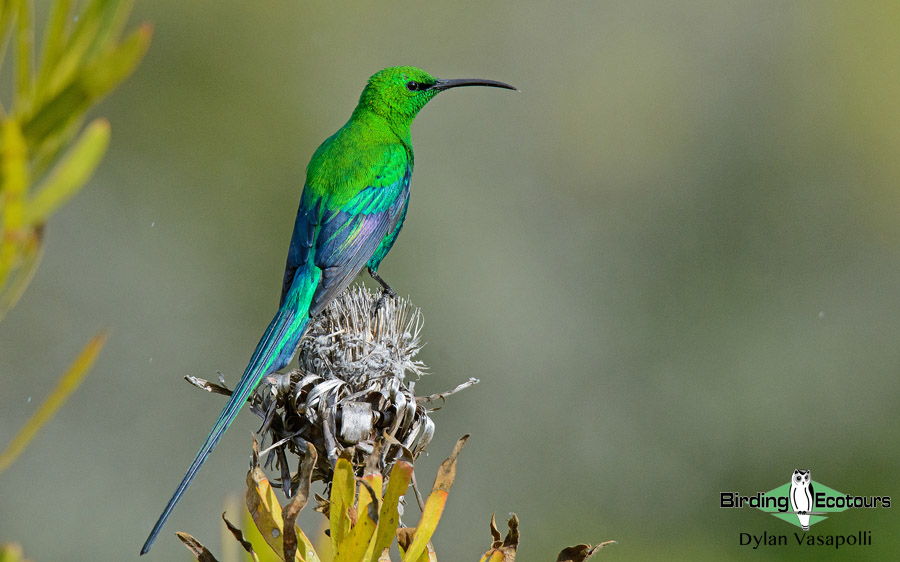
802 496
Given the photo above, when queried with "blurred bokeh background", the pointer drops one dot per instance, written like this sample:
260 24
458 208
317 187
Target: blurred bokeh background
673 260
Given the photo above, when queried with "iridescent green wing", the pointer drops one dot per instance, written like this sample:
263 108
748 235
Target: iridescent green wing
339 232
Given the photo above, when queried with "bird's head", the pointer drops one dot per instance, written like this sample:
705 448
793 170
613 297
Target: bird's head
399 92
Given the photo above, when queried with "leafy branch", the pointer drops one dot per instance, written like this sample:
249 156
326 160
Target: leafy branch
47 154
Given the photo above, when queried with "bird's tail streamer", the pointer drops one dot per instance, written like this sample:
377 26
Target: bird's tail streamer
273 352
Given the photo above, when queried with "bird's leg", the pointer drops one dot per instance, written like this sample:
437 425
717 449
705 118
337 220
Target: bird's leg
386 291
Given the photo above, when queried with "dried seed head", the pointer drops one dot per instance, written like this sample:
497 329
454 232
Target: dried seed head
351 343
355 385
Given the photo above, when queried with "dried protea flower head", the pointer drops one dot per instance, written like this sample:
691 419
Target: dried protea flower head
355 385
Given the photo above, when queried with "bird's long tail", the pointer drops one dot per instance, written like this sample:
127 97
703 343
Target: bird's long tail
273 352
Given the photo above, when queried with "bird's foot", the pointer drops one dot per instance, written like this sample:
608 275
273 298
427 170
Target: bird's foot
386 291
385 295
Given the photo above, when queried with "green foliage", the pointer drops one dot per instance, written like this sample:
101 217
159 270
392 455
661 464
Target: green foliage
12 552
363 517
362 513
46 152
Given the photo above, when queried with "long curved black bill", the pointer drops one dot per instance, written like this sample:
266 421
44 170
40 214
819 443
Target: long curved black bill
441 85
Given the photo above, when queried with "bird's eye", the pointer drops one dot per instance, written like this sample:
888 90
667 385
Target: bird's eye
413 86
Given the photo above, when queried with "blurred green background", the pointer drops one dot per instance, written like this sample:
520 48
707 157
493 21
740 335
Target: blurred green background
673 261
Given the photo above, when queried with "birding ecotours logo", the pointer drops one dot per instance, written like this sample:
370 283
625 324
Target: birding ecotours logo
801 496
802 502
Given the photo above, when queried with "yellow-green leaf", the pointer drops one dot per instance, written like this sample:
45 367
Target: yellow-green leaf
267 515
252 534
11 552
13 186
32 252
264 509
434 505
372 491
7 9
365 492
54 38
404 541
115 16
355 544
54 115
110 68
24 54
91 83
62 71
89 22
71 173
47 149
495 556
431 515
343 492
389 516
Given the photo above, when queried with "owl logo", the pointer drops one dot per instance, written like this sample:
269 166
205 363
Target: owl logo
802 495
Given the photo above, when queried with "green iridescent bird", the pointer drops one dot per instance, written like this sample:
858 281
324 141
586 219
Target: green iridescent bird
351 210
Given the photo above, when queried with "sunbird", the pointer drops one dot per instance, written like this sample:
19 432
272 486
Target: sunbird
352 207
